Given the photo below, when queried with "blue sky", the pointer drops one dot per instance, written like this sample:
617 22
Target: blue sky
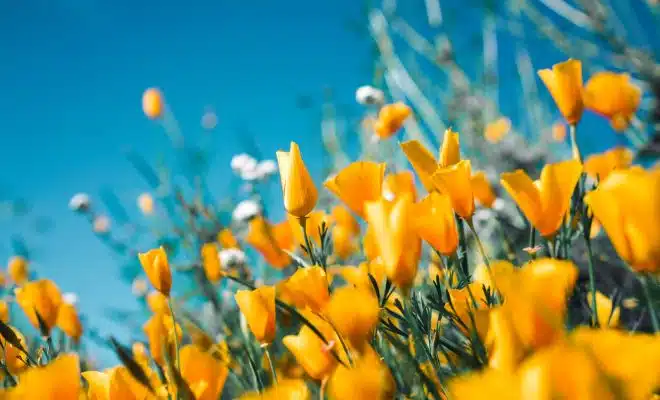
71 77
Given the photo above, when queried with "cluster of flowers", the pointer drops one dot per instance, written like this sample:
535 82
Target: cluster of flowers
358 318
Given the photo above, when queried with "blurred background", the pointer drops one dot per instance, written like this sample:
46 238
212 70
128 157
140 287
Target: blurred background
250 77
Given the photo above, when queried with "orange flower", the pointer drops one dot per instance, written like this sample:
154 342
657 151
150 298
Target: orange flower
211 262
310 351
343 242
157 268
358 183
608 315
262 237
390 119
313 223
558 131
455 181
398 184
564 82
599 166
69 322
160 332
613 96
157 302
626 204
398 245
544 202
42 297
497 129
60 379
14 357
435 223
205 374
354 313
18 269
258 308
4 311
370 378
298 188
425 164
153 103
227 240
482 189
285 389
310 284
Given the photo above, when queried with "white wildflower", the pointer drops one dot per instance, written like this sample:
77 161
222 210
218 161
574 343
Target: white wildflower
229 257
79 202
245 210
369 95
240 161
70 298
266 168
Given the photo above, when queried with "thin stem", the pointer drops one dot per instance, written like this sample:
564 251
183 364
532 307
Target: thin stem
479 245
574 146
324 382
592 282
649 300
308 244
532 241
463 242
176 336
270 363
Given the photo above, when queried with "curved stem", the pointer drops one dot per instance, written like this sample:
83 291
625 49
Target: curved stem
592 283
574 146
649 300
176 336
270 363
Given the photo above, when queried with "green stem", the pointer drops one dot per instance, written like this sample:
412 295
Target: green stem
532 241
592 283
574 146
308 244
649 300
479 245
176 336
270 363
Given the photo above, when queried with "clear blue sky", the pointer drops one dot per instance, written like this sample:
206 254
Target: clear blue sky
71 77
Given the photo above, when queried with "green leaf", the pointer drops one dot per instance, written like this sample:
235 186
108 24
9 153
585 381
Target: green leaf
133 367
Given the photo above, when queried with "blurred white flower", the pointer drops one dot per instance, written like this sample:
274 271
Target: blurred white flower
250 172
240 161
266 168
79 202
139 287
229 257
246 210
101 224
369 95
70 298
388 195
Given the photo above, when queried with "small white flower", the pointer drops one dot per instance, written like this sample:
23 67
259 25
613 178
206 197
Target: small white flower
229 257
139 287
369 95
246 210
250 173
70 298
101 224
499 205
267 168
79 202
239 161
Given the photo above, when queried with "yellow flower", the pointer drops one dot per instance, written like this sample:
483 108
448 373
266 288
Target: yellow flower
489 383
390 119
357 184
310 284
435 223
370 378
4 311
455 181
354 312
310 351
625 359
42 297
342 217
343 242
69 322
13 358
544 202
369 244
157 303
285 389
564 82
300 194
157 267
58 380
425 164
398 184
269 241
18 269
599 166
497 129
211 262
482 189
205 374
160 331
146 203
608 315
613 96
313 223
564 371
258 308
398 245
359 276
153 103
558 131
626 204
227 240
